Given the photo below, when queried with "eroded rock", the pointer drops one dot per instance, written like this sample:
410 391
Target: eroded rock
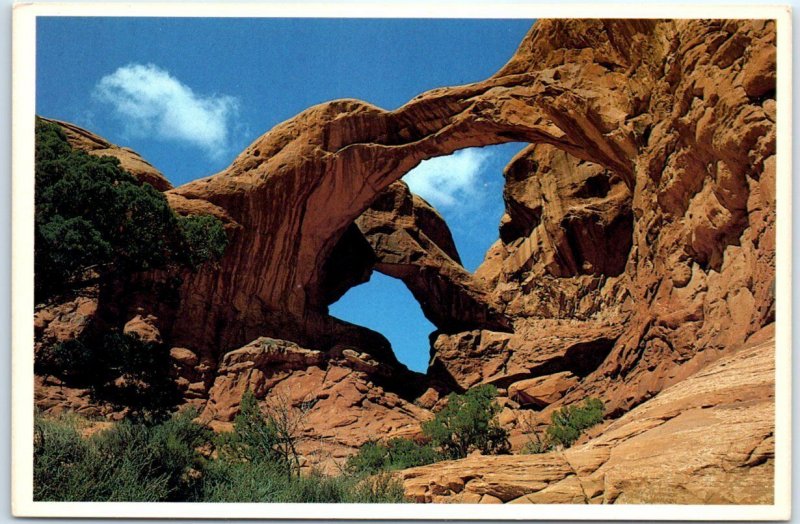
707 440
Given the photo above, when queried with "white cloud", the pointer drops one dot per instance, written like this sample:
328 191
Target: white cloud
450 181
153 102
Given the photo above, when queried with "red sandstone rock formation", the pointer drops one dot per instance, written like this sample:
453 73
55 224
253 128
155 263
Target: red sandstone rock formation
638 243
707 440
412 242
658 171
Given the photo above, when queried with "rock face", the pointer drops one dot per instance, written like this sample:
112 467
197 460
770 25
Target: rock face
708 440
646 200
637 248
66 320
335 397
542 391
412 242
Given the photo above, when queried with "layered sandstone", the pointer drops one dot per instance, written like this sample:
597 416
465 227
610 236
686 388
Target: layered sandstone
647 202
707 440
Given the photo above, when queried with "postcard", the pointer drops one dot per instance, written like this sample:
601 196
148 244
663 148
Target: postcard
358 261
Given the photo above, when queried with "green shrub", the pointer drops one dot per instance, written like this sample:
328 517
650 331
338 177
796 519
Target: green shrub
91 214
405 453
118 369
468 422
58 455
204 237
570 421
128 462
134 374
398 453
70 360
226 480
268 435
536 444
372 457
230 481
349 489
139 462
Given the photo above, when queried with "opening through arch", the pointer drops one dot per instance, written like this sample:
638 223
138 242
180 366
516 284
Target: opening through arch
385 305
466 188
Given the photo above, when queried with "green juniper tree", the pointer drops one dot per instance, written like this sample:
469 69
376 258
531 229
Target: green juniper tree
92 217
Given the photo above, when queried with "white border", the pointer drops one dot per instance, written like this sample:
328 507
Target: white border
23 109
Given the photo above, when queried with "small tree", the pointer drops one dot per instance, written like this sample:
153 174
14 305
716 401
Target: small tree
68 360
204 238
269 436
94 219
538 442
570 421
468 422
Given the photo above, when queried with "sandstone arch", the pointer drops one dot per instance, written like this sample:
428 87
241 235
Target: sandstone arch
323 168
679 114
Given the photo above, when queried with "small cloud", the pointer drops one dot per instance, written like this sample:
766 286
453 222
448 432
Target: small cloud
153 102
450 181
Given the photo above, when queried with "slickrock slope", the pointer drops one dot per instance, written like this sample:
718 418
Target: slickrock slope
707 440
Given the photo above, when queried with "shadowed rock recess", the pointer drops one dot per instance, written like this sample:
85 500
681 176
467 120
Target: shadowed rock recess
635 259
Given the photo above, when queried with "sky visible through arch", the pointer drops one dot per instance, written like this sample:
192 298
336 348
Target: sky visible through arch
189 94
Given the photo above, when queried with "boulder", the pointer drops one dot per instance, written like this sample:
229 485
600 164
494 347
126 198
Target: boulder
542 391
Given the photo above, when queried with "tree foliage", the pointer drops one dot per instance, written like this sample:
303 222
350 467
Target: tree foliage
567 425
397 453
91 214
467 423
118 369
570 421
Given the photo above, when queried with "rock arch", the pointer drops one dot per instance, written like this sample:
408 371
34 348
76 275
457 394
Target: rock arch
680 116
291 195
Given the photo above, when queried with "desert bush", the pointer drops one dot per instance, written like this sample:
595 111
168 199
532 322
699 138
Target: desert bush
227 480
372 457
139 462
118 369
468 422
570 421
69 360
259 462
398 453
536 444
567 425
406 453
265 436
232 481
128 462
134 374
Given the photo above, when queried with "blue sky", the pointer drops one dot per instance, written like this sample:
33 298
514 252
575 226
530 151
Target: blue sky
189 94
